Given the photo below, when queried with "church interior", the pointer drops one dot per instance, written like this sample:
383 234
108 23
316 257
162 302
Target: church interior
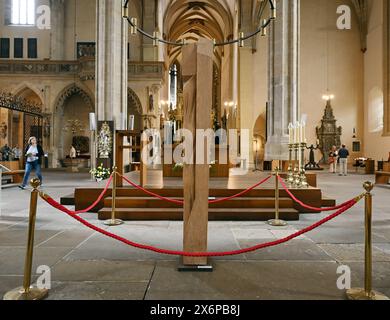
293 98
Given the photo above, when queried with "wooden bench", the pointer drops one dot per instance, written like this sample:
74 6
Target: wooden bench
17 175
382 177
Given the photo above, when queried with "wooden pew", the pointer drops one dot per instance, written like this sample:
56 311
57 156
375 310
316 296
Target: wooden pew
382 177
11 169
17 175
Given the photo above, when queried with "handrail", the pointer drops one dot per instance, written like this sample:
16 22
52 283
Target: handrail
5 168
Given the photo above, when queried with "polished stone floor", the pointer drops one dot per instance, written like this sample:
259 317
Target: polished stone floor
86 265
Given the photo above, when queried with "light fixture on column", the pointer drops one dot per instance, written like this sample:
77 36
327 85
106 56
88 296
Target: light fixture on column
133 26
328 97
273 10
125 12
241 42
155 38
264 29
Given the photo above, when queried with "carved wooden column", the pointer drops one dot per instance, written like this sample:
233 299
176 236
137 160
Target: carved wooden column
198 77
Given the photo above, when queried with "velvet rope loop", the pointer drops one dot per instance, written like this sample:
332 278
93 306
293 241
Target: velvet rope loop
182 202
60 207
294 198
99 198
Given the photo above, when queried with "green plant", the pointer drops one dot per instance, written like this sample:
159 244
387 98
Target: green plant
178 167
100 172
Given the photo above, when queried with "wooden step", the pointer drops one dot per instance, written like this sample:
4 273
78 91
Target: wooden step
85 196
67 200
327 202
242 202
219 214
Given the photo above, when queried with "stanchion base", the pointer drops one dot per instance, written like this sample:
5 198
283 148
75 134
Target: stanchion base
195 268
20 294
277 223
113 222
360 294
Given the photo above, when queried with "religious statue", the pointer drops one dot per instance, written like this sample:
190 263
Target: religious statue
105 141
151 103
72 153
3 130
312 165
224 120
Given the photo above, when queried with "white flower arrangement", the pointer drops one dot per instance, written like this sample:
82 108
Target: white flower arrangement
100 173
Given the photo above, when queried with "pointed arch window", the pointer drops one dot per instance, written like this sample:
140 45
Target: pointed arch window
173 86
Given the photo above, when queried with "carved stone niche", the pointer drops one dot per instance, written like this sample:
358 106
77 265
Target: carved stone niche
328 134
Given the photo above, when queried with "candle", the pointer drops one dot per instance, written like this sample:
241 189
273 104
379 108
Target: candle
299 132
296 135
318 142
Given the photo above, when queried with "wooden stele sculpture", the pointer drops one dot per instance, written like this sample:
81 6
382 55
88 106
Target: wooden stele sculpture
197 74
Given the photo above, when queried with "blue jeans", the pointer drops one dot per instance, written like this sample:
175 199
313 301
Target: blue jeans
29 167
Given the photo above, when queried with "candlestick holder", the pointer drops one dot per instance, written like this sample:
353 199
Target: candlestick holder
290 172
303 179
296 173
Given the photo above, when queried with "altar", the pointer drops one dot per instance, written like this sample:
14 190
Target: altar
75 164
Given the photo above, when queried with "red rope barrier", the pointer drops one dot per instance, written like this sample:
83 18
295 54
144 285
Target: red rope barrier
242 192
310 207
150 192
182 202
58 206
98 199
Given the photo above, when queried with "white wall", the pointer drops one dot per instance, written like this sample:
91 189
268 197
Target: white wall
333 54
373 84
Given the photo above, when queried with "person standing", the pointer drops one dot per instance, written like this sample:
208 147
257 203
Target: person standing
333 160
17 153
6 151
34 154
343 156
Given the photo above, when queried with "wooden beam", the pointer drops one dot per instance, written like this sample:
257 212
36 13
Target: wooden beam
197 70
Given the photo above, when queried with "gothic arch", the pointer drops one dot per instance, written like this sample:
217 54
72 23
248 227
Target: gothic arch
69 92
25 87
58 116
134 100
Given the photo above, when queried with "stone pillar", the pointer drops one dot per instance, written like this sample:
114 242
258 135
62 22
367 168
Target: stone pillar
57 38
283 78
111 63
197 70
149 52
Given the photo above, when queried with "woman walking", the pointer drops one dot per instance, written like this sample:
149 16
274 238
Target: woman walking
34 153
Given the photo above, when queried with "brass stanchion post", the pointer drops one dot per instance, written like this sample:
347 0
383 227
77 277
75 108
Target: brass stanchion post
367 293
113 221
277 222
28 292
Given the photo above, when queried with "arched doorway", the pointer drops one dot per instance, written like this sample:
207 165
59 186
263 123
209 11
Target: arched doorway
32 124
20 118
72 123
134 110
259 140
